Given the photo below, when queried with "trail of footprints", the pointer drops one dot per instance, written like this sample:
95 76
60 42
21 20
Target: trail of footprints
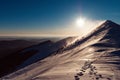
92 72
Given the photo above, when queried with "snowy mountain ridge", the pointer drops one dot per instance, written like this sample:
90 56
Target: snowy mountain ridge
99 49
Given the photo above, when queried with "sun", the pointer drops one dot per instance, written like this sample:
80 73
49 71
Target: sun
80 22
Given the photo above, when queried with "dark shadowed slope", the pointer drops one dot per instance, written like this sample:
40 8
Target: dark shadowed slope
8 47
94 57
10 62
30 54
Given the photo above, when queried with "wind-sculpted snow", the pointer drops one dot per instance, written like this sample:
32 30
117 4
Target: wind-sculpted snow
95 57
46 49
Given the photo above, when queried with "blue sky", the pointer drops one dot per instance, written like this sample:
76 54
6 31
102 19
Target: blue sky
52 16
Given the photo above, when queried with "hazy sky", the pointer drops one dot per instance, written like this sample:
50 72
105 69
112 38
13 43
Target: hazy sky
53 17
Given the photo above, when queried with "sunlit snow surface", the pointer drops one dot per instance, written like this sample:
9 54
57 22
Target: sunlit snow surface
97 49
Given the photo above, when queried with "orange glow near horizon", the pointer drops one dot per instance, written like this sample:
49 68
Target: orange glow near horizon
79 27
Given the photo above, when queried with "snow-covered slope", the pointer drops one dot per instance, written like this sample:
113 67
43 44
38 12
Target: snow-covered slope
45 49
95 57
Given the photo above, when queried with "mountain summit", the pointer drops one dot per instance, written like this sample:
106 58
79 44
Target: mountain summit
107 32
110 30
96 56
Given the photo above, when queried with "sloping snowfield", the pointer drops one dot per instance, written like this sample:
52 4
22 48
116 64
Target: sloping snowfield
96 57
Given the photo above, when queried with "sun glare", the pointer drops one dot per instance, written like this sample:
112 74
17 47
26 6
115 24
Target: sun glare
80 22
